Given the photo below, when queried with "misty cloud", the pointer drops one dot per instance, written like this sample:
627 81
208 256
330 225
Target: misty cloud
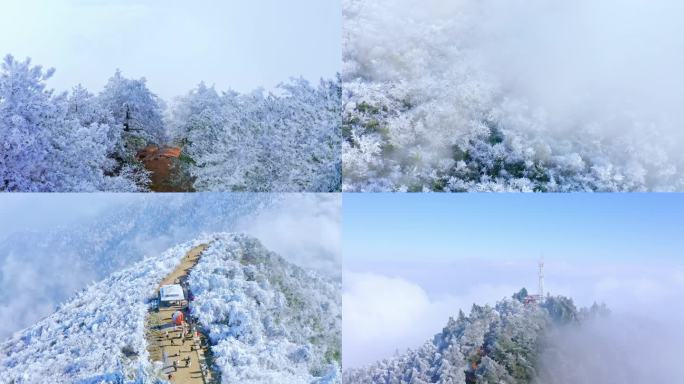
400 306
590 90
44 267
383 315
635 349
305 229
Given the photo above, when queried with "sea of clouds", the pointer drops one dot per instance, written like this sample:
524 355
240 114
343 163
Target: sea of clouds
389 308
576 83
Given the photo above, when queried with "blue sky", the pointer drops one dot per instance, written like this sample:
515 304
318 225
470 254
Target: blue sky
502 226
175 44
412 260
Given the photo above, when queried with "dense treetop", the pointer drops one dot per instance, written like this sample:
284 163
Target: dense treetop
288 140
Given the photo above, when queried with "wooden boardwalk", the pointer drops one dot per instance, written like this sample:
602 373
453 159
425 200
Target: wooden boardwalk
165 342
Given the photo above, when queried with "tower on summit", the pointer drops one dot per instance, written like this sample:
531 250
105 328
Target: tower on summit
541 278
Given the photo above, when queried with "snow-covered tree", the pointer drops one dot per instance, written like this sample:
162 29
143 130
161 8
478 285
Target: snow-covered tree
289 141
121 175
492 345
202 99
52 142
425 107
136 108
27 114
268 320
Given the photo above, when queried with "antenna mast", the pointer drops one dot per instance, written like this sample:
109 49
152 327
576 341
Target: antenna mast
541 278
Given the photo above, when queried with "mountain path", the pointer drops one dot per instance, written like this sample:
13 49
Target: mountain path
166 171
162 337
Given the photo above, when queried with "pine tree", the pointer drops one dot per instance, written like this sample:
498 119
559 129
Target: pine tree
52 142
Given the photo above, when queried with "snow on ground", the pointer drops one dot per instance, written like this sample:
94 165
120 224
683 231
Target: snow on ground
268 320
87 339
45 267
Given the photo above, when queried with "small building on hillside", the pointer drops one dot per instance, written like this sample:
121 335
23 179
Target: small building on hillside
171 293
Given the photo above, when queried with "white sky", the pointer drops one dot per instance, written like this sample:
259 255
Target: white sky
238 44
42 211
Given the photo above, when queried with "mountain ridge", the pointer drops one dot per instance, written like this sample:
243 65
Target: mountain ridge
493 344
98 335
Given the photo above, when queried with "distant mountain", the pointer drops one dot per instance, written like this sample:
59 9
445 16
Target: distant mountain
267 320
492 345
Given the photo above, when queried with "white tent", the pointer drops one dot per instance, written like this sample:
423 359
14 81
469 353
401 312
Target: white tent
173 292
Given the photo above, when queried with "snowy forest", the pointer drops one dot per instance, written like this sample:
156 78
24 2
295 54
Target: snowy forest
267 321
82 286
523 96
500 344
44 267
77 141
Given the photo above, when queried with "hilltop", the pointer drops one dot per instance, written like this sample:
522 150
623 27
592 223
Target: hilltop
267 321
498 344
